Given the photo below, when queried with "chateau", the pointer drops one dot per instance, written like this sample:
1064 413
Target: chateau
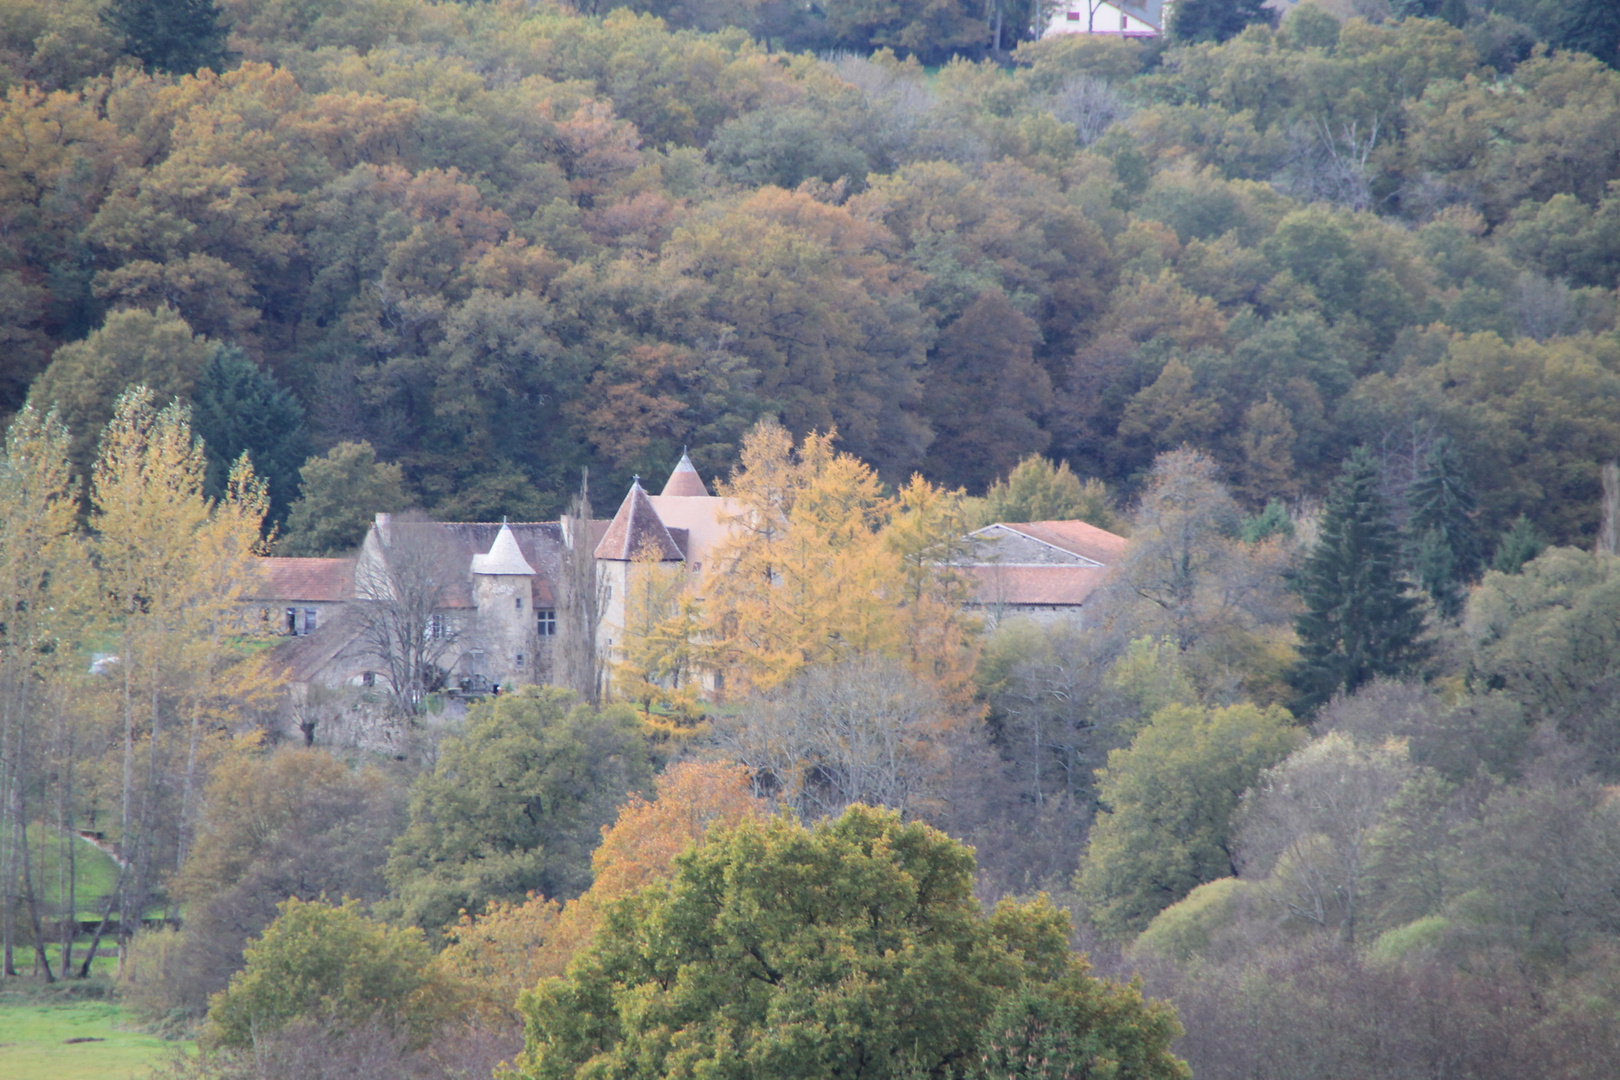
482 603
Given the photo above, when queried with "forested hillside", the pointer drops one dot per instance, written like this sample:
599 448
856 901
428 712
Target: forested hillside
499 242
1320 314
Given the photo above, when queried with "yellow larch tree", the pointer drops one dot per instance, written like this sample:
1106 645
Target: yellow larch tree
664 652
806 577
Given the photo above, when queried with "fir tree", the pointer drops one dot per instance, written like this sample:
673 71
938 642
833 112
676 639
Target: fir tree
1592 26
1213 20
1447 549
239 408
1358 623
1272 521
1520 543
176 36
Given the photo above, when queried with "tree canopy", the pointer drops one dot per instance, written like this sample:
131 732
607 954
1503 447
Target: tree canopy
854 947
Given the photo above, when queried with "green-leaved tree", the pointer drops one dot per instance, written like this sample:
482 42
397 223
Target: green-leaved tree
515 804
342 491
173 36
854 950
334 967
1168 803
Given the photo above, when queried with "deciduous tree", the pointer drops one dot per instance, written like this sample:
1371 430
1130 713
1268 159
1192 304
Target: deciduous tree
515 803
332 965
854 948
340 494
1169 803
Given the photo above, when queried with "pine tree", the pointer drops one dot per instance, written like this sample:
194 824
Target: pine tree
176 36
1520 543
1213 20
1358 623
1592 26
239 409
1447 549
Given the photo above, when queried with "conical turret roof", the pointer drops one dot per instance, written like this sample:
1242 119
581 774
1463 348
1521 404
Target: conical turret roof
505 557
637 526
685 480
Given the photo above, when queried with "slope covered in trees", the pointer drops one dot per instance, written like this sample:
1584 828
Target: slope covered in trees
498 242
444 255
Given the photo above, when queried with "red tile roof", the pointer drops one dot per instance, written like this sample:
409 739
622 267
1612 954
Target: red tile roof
637 526
1041 586
685 481
1075 537
303 579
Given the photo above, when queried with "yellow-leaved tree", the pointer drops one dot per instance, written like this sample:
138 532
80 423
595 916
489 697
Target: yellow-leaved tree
823 567
665 652
174 567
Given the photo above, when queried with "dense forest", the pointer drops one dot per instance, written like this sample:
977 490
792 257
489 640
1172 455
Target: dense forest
1318 311
498 242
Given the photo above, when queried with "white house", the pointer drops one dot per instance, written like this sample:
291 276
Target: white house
1117 18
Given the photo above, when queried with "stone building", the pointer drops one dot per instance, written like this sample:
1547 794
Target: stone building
488 594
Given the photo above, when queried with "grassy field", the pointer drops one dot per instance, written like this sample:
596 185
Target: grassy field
95 873
36 1032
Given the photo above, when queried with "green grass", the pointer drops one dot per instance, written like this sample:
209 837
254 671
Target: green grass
34 1033
95 874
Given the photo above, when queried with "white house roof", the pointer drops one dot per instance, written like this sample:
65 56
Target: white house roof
504 556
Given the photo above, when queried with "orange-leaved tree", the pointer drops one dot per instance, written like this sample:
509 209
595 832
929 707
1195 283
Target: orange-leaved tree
510 947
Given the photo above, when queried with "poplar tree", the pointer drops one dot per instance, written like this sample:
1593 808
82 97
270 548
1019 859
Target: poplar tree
174 566
1359 621
41 609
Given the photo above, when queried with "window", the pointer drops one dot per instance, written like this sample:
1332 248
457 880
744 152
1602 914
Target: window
291 621
368 678
437 627
1073 16
1122 21
519 601
520 659
545 622
310 617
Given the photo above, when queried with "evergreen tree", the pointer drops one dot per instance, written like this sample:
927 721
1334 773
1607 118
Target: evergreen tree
176 36
1520 543
1213 20
1272 521
237 408
1447 549
1358 623
1592 26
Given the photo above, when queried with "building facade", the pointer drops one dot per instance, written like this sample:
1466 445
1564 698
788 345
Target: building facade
485 598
